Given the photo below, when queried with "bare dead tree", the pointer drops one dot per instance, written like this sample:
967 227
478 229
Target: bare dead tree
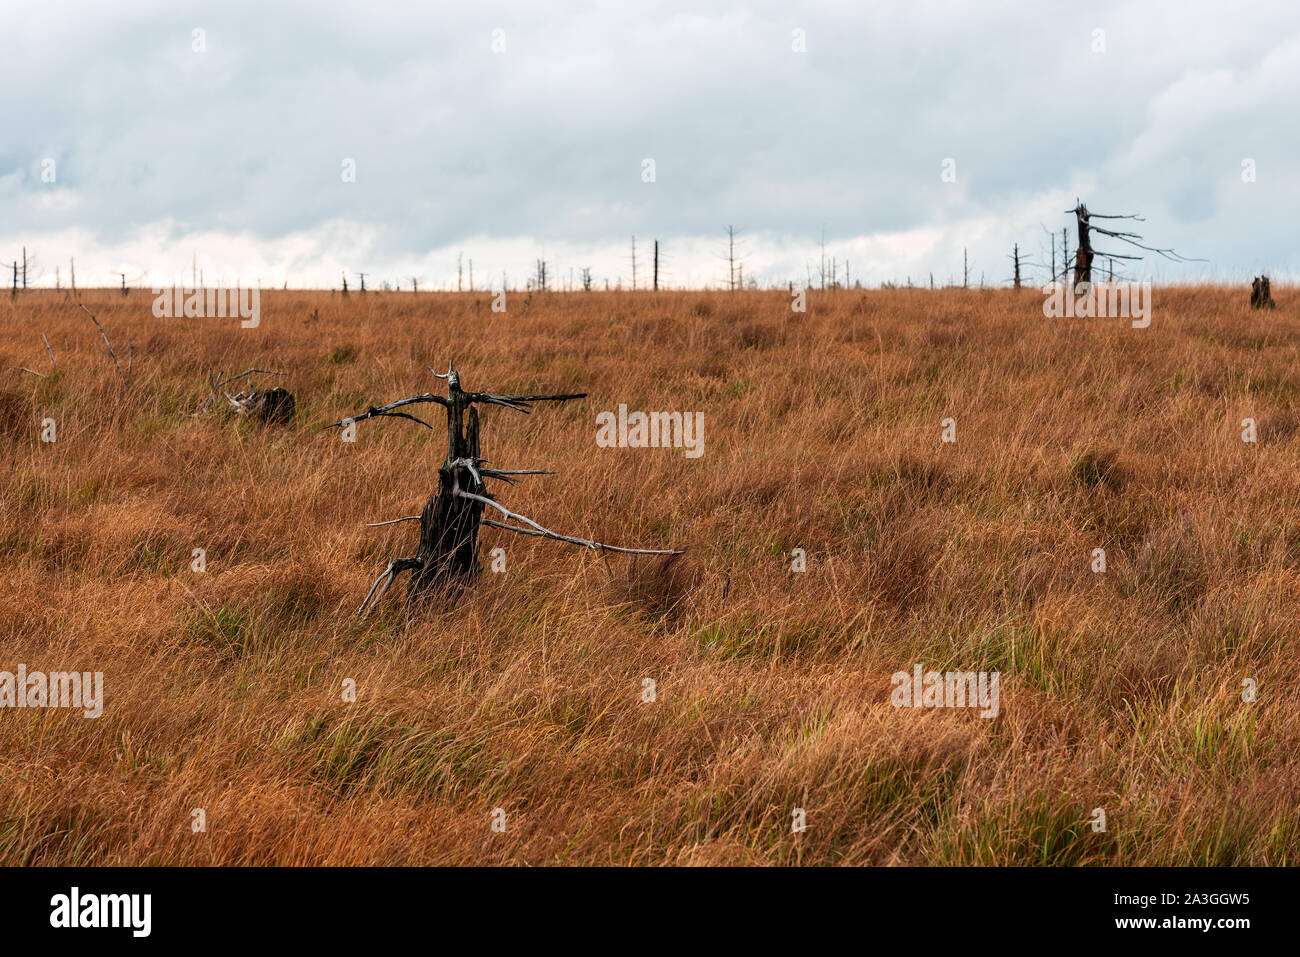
447 554
731 258
1085 253
822 262
31 274
1016 261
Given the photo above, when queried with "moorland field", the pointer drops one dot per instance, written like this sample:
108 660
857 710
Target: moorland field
1120 690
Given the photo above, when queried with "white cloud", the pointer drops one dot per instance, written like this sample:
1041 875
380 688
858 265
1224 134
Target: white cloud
234 154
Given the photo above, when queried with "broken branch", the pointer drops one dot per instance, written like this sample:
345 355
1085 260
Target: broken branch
547 533
388 576
108 345
393 521
387 410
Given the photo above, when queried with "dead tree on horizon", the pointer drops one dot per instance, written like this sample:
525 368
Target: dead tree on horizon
1085 253
1015 259
446 558
1261 296
731 258
821 267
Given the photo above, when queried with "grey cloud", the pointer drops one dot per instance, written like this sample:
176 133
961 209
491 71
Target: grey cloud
546 140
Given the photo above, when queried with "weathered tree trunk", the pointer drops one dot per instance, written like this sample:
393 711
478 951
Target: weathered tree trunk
1083 255
272 406
275 406
1261 296
448 551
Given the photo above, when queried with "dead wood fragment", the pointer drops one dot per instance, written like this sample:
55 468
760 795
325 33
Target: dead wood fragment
1261 296
274 406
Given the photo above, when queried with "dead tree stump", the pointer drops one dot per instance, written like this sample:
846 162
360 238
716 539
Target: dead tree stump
275 406
1261 296
269 406
446 558
448 552
1083 255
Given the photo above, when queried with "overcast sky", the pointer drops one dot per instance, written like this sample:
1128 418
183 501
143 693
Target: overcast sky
511 132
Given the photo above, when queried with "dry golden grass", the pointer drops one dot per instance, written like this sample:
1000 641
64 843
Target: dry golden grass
223 689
